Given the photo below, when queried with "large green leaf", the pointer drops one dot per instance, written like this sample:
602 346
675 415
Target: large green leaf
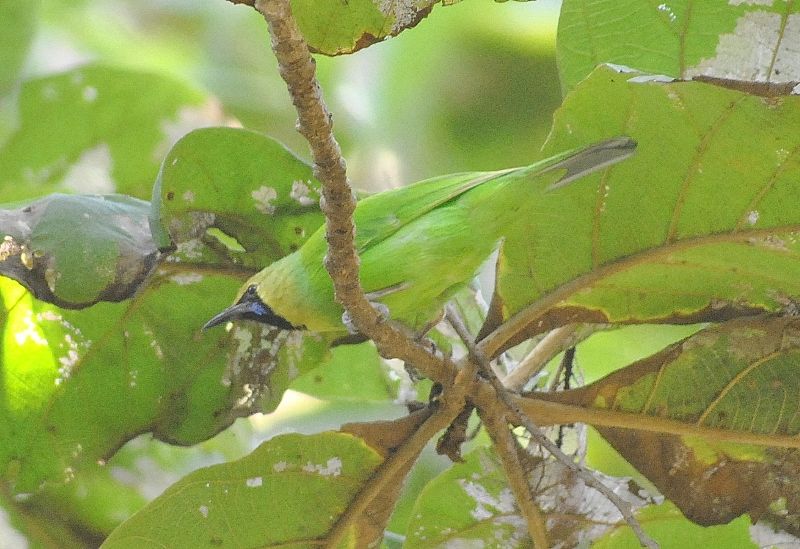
230 201
78 384
694 417
750 41
698 225
77 250
247 186
179 383
288 492
96 130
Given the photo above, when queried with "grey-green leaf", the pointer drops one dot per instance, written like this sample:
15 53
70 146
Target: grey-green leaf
76 250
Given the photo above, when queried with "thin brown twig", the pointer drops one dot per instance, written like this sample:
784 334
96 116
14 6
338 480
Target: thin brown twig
297 68
540 438
516 472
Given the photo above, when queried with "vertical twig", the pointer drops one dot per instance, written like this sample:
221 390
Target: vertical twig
338 203
507 447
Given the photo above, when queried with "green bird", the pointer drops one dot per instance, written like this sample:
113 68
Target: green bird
418 244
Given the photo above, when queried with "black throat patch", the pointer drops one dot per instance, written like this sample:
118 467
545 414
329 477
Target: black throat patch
261 312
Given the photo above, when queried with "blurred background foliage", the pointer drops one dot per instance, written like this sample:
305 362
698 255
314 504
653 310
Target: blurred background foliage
473 87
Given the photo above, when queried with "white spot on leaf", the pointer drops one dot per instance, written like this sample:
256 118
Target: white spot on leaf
203 510
254 482
280 466
184 279
30 332
263 197
333 468
488 505
89 94
301 192
757 50
666 9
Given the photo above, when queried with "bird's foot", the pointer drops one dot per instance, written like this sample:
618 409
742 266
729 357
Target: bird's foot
383 313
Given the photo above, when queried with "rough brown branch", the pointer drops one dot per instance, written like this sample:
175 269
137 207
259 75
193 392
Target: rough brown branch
338 203
517 474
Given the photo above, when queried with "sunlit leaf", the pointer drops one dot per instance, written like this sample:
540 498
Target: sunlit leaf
672 530
750 41
699 225
78 384
333 27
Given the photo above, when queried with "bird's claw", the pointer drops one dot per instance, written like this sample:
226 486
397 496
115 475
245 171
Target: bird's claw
382 310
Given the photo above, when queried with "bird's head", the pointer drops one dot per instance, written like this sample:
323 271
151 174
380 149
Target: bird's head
250 306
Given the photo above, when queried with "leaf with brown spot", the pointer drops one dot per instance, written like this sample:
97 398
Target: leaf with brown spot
334 27
712 421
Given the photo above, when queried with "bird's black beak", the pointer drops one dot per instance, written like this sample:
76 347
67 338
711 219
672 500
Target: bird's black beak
250 307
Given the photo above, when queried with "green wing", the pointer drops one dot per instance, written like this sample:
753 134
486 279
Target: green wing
379 216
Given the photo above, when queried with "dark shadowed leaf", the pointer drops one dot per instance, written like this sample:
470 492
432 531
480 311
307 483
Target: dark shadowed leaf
728 393
471 504
76 250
